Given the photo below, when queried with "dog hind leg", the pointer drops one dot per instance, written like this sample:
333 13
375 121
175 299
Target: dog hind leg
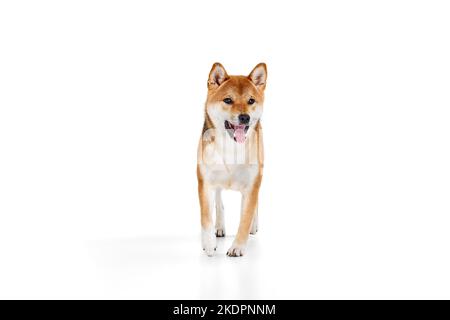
254 228
220 218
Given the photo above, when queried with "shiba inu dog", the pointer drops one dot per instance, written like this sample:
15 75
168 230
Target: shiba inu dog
230 153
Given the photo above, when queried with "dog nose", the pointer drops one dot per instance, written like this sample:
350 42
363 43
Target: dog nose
244 118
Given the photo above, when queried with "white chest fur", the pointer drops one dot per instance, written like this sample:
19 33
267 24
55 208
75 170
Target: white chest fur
235 177
226 164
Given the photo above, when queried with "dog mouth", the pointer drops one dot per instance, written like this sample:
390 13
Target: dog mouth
236 131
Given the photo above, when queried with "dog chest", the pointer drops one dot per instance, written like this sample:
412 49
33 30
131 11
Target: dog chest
234 177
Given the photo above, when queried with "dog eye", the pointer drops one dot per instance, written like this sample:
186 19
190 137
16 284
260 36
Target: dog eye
251 101
228 100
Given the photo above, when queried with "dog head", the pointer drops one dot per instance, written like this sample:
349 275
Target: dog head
235 103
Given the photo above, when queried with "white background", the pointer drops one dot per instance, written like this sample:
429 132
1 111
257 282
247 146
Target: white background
101 108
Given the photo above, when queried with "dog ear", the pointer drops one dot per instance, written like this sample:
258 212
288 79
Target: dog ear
259 76
217 76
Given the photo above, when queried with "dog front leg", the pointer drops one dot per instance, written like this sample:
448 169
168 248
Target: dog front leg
249 203
206 197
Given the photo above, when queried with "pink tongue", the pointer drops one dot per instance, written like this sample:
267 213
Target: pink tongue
239 133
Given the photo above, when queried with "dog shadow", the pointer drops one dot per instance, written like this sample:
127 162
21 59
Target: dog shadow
218 277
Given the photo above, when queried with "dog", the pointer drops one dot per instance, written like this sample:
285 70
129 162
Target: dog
230 153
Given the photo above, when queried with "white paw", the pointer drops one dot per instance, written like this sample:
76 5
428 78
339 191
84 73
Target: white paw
209 241
220 232
236 250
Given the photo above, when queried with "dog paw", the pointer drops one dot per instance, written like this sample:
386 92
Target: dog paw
209 251
209 242
236 250
253 230
220 232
